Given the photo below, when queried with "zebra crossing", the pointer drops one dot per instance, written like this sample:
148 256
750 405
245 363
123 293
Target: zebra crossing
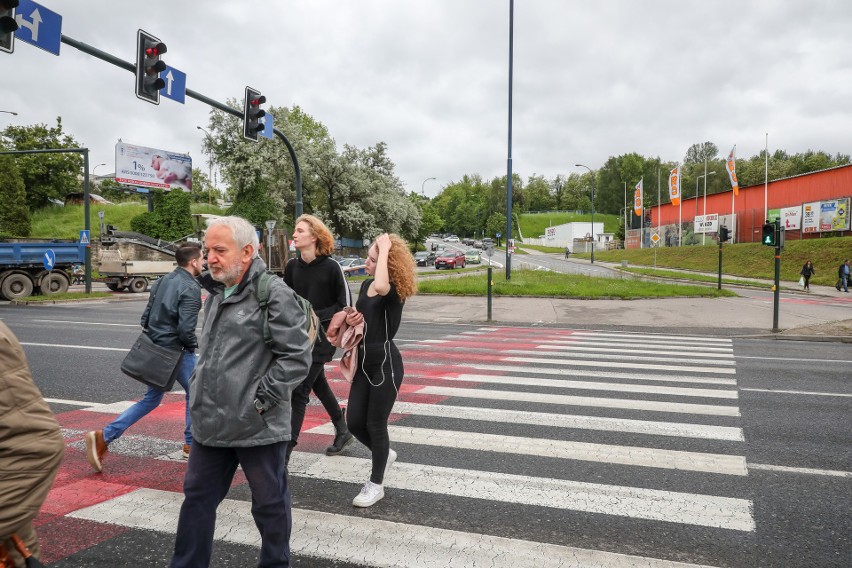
591 448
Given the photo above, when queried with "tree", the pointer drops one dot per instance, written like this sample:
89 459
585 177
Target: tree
45 176
14 213
699 153
170 220
538 195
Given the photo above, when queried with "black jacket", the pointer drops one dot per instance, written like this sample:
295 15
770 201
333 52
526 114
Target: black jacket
322 283
172 311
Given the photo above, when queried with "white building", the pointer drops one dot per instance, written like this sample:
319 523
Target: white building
565 235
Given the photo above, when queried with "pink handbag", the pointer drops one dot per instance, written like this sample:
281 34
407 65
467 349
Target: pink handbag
347 337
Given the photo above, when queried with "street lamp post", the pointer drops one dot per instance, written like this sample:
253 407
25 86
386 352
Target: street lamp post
422 186
706 173
593 208
13 113
209 161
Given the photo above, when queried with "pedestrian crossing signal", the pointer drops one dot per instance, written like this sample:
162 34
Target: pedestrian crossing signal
769 234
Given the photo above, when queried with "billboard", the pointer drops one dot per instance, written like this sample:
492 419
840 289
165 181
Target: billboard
140 166
834 215
706 223
791 218
810 217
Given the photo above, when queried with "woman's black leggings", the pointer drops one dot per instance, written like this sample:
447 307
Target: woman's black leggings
315 381
371 400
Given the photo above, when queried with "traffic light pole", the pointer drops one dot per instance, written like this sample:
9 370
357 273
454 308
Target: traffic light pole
776 296
720 265
109 58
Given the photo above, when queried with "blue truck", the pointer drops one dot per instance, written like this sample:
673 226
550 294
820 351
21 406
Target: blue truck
23 272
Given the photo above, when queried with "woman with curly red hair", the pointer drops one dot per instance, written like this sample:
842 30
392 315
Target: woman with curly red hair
380 371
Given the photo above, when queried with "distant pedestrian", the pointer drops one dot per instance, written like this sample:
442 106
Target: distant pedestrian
807 272
318 278
169 319
240 403
31 448
567 252
380 370
843 276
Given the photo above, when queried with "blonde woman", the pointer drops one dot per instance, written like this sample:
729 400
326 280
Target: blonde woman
380 371
318 278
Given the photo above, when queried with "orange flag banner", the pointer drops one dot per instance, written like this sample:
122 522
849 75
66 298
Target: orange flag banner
638 202
674 186
731 166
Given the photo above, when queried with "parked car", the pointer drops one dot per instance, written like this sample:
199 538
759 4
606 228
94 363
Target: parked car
472 256
450 259
349 261
424 258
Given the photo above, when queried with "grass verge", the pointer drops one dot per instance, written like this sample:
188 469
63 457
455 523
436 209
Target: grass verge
65 296
693 276
556 285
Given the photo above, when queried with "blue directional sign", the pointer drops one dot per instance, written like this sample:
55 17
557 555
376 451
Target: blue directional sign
49 259
267 126
84 237
39 26
175 88
499 235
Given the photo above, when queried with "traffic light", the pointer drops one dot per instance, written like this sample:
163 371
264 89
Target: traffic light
724 234
769 234
148 66
8 25
252 113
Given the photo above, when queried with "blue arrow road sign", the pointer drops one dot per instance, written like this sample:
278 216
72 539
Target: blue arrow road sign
267 126
49 259
175 88
39 26
84 237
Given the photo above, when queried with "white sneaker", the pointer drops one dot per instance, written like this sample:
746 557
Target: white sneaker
391 459
370 494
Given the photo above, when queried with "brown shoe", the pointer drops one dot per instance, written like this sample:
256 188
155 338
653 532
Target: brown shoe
96 449
186 448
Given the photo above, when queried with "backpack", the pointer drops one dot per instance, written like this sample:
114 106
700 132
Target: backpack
312 322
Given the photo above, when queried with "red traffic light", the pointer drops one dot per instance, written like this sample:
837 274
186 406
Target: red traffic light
258 101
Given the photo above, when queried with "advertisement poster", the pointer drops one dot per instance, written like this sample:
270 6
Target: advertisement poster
706 223
810 217
834 215
149 167
791 218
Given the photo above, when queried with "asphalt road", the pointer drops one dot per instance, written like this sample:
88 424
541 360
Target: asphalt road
518 446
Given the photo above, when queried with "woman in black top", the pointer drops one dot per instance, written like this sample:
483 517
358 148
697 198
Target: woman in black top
319 279
807 272
379 375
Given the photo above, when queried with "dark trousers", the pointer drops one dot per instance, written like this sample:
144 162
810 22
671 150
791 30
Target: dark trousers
368 411
209 474
315 381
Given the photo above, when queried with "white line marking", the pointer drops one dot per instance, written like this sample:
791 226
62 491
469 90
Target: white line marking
86 347
136 325
576 421
588 385
618 356
600 402
364 541
800 470
588 373
673 338
807 393
569 348
633 343
564 449
624 365
652 504
797 360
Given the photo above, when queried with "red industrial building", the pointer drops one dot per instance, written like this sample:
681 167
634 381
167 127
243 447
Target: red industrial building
832 183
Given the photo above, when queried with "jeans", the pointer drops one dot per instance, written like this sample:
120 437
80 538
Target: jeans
150 401
844 280
317 382
209 474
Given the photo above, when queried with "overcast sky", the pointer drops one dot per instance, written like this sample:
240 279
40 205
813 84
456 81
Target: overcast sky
430 78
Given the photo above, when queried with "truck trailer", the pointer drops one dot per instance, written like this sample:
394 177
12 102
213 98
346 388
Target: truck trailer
23 272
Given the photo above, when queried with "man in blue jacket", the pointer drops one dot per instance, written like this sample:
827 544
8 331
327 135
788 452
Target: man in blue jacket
170 319
240 398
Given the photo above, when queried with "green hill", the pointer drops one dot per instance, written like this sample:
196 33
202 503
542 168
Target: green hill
534 224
